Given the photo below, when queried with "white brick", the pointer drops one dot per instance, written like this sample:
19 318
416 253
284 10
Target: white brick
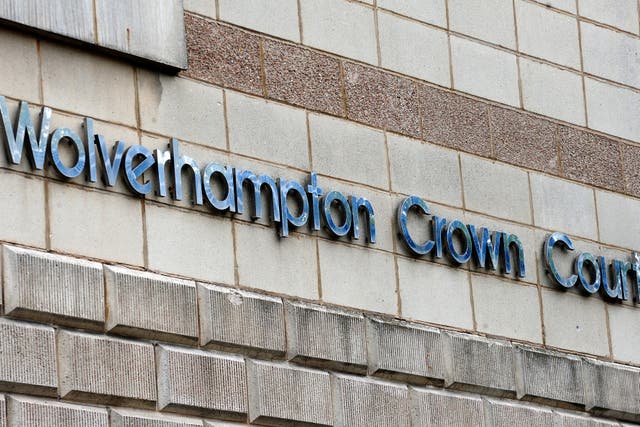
279 18
622 14
84 222
551 91
414 49
625 341
357 277
424 170
121 417
21 79
190 244
484 71
568 5
345 28
612 109
87 84
575 322
23 209
618 219
431 11
277 266
547 34
181 108
342 149
31 412
436 294
489 20
563 206
507 309
202 7
267 130
611 54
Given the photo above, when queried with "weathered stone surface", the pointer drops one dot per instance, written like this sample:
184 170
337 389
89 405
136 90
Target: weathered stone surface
565 419
27 358
25 411
121 417
241 320
148 305
543 374
405 351
504 413
105 369
325 337
280 392
430 407
200 382
631 166
476 363
612 389
3 412
364 402
53 288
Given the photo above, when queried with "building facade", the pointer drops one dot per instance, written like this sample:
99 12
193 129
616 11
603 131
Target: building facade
320 212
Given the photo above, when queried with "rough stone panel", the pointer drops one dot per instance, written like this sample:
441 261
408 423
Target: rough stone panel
439 408
524 140
303 77
565 419
53 288
320 336
222 55
404 350
612 389
631 166
590 158
135 418
284 393
548 375
31 412
478 363
27 358
241 320
148 305
455 121
105 369
507 414
201 382
363 402
381 99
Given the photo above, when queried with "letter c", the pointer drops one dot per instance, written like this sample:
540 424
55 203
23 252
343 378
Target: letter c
407 204
548 258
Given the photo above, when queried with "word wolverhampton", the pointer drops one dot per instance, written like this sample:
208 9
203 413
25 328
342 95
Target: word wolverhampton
223 188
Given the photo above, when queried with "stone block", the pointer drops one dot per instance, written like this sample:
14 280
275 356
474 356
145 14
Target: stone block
278 19
431 408
543 374
505 413
566 419
631 165
491 21
3 411
280 394
326 337
360 402
484 71
405 351
26 411
619 14
52 288
202 7
609 109
623 322
28 358
430 11
23 216
148 305
21 80
121 417
617 219
106 369
612 389
479 364
203 383
241 320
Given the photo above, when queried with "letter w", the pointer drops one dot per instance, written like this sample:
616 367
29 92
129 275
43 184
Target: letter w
14 143
486 244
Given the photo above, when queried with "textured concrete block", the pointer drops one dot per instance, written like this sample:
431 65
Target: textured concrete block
566 419
205 383
481 364
623 322
25 411
278 19
3 411
617 219
322 336
237 319
28 358
363 402
53 288
121 417
548 375
435 408
281 393
405 351
610 109
621 14
105 369
21 81
491 21
23 215
148 305
611 388
505 413
431 11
